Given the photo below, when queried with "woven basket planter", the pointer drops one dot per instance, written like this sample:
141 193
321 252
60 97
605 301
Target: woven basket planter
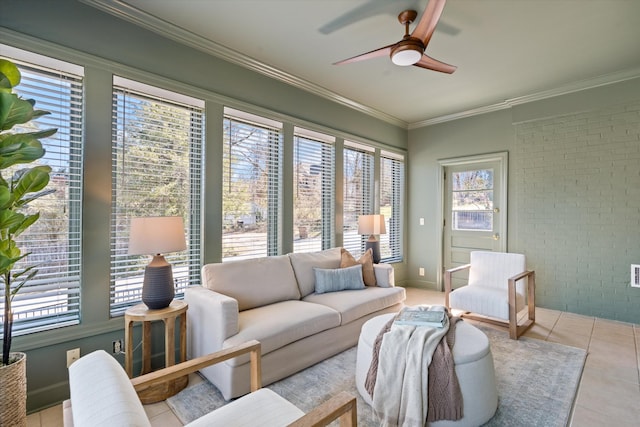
13 395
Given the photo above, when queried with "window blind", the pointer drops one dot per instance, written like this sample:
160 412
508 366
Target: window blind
391 205
52 298
157 164
358 191
313 192
252 186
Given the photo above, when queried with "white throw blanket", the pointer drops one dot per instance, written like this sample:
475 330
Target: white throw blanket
402 383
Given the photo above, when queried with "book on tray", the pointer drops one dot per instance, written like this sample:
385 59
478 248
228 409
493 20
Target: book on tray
422 316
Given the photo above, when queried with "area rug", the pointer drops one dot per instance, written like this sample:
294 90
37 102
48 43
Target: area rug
537 383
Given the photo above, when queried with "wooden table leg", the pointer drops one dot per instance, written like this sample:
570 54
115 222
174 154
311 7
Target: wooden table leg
146 347
128 349
169 342
183 337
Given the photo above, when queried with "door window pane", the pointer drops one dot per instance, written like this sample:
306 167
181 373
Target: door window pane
472 200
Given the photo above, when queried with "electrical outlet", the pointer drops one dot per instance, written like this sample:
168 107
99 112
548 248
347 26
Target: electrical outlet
421 271
117 347
72 356
421 221
635 275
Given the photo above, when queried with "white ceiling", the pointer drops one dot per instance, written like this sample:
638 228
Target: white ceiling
507 51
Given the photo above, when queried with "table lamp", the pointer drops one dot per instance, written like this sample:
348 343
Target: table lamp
155 236
372 225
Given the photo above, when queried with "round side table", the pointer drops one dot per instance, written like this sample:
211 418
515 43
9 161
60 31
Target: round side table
168 315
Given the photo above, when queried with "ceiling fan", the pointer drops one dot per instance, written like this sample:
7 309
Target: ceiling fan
410 50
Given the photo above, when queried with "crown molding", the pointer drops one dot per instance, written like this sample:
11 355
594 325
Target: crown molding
136 16
585 84
143 19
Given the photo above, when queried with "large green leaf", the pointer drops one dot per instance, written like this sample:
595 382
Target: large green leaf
20 148
9 220
9 255
31 181
9 74
28 199
14 110
6 198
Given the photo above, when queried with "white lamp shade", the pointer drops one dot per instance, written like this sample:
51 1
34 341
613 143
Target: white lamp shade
371 224
156 235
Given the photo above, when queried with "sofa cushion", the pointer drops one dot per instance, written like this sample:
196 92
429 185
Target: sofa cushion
303 264
493 269
485 300
347 260
253 282
338 279
102 394
385 275
279 324
353 305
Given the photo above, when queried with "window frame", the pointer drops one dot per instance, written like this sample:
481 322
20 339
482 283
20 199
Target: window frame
269 141
310 146
363 201
57 87
130 94
391 243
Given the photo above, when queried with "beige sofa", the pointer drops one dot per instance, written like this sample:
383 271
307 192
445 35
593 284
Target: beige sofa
273 300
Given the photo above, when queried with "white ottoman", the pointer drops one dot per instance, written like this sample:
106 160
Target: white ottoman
474 368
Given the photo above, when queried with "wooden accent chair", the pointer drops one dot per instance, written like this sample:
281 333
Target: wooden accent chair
498 286
103 395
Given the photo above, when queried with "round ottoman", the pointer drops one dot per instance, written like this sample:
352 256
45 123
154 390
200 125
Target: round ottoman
474 368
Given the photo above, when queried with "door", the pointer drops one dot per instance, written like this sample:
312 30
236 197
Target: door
474 214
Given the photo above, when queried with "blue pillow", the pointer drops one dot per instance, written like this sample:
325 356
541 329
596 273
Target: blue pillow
339 279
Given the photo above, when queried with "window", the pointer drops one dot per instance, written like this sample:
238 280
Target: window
157 166
313 191
252 186
358 193
52 298
391 204
472 200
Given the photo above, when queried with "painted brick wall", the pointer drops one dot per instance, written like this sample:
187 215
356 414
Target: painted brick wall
577 181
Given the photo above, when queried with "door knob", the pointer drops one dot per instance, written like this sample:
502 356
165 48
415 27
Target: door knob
496 236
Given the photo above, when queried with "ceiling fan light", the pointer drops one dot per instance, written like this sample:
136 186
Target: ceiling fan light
406 57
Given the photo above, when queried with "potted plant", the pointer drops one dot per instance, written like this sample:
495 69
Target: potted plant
17 190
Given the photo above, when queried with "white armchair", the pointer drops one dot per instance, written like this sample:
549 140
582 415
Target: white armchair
102 395
499 286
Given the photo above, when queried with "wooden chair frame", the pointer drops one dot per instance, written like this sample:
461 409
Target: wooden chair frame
515 330
340 407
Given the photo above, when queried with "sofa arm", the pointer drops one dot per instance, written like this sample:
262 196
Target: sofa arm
212 318
385 277
448 286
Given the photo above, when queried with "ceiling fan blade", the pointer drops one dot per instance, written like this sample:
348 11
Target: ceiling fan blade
367 10
435 65
383 51
427 24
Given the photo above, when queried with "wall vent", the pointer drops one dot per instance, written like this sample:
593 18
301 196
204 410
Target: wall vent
635 275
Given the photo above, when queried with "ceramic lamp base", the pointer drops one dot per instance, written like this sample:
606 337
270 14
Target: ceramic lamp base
157 289
375 248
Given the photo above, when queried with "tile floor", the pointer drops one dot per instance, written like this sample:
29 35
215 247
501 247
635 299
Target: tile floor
609 391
